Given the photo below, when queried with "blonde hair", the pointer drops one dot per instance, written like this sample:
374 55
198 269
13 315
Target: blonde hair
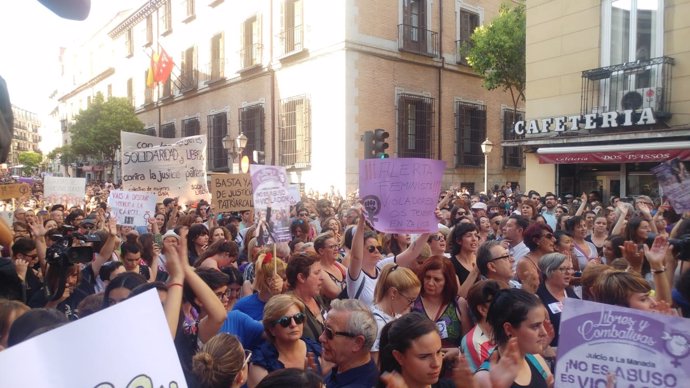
219 361
265 268
275 308
393 275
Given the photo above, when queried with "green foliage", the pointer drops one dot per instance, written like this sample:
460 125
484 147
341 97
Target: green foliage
31 160
497 52
65 154
96 131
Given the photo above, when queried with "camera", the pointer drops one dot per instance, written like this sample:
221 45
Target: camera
62 252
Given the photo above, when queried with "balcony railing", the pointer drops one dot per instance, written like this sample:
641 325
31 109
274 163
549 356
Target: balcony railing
292 40
250 56
417 40
213 71
632 85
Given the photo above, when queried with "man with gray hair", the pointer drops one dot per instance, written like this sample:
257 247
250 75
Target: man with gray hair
495 262
348 335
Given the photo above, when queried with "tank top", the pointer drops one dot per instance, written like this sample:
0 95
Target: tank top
447 322
537 380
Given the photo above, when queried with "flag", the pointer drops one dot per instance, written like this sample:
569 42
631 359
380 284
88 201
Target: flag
164 67
150 81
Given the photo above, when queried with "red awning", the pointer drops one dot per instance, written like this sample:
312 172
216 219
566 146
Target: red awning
622 153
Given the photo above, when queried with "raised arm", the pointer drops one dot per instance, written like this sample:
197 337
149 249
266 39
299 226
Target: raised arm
656 256
357 252
173 301
583 205
108 247
408 256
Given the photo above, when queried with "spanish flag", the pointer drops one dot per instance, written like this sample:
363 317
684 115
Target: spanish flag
150 81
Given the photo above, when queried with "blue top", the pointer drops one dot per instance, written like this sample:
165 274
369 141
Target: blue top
364 376
247 330
252 306
266 356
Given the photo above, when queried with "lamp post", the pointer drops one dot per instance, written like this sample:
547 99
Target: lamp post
234 147
487 146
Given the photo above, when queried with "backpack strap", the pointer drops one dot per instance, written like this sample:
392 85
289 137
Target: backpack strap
537 365
361 286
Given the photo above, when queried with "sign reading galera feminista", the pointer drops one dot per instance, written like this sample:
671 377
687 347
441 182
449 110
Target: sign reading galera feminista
626 118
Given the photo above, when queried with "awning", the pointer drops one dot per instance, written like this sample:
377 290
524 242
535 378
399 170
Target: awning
616 153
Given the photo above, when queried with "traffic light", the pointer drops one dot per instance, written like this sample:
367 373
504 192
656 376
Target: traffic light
368 145
258 157
380 143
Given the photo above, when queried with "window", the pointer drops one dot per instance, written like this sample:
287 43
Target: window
150 131
188 10
251 42
130 91
470 125
149 30
217 57
512 156
295 132
188 74
168 130
292 35
167 88
217 129
413 34
469 21
129 42
190 127
415 126
165 18
252 125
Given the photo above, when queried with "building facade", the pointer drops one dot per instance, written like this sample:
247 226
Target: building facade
304 79
608 94
25 137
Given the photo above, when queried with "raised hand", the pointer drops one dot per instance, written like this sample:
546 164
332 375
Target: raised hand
21 267
462 374
632 254
393 380
656 255
503 371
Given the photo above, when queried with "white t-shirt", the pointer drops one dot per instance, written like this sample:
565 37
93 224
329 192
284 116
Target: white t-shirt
381 320
367 293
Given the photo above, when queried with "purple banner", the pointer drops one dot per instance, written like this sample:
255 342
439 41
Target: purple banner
640 348
675 182
400 195
271 191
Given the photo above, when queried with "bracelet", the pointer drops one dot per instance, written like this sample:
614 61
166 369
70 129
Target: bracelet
662 270
174 284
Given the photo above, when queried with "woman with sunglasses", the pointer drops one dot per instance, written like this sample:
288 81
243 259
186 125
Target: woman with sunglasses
396 291
557 273
437 244
286 347
221 363
540 241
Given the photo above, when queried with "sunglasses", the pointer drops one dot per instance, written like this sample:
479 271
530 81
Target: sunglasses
436 237
330 334
501 257
372 248
284 321
88 226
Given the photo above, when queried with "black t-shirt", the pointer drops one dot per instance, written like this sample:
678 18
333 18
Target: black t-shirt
554 307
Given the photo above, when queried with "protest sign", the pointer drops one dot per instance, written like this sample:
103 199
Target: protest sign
89 352
231 192
400 195
132 208
271 191
675 182
641 349
295 196
168 167
65 191
14 191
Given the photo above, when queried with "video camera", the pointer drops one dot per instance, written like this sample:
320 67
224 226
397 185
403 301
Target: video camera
63 253
681 247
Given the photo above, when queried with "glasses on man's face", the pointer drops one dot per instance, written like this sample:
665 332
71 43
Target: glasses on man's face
566 269
460 214
330 334
372 248
508 256
285 320
35 255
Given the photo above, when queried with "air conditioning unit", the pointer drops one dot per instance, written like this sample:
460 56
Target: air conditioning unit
640 98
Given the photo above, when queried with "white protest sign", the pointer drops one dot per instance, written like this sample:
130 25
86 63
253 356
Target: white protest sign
65 191
132 208
167 167
90 353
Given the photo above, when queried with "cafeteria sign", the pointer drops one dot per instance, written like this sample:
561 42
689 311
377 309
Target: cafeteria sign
627 118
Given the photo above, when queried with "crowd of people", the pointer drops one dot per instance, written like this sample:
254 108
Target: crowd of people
475 304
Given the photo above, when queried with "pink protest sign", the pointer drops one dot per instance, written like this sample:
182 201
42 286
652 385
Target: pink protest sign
400 195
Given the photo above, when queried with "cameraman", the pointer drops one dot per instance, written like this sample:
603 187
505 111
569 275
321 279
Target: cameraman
90 282
17 278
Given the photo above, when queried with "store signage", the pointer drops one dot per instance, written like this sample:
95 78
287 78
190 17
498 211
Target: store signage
614 119
614 157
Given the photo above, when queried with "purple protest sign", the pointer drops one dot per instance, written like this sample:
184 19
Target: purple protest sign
400 195
271 191
675 181
640 348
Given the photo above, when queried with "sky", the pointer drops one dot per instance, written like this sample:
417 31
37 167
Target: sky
31 39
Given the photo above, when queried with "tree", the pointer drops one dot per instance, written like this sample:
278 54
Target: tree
497 52
96 131
65 154
31 160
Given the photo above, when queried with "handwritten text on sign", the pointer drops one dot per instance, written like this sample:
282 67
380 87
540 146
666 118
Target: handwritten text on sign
66 191
642 349
270 188
167 167
14 190
132 208
400 195
231 192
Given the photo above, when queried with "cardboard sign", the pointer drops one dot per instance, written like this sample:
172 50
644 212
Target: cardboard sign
400 195
63 354
132 208
231 192
675 182
640 348
65 191
14 191
167 167
271 191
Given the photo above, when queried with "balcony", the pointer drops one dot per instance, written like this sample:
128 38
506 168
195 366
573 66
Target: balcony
213 71
291 40
250 56
417 40
629 86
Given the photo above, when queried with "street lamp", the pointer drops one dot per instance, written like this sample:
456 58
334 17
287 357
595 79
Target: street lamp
487 146
234 147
